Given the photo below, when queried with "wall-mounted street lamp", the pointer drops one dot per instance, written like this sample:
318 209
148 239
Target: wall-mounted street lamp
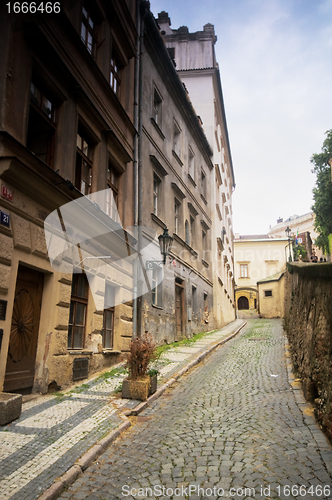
165 243
288 232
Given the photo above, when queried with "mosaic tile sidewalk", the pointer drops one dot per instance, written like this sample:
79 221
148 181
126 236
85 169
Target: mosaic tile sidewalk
53 432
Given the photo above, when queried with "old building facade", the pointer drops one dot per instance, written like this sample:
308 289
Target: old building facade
196 64
101 152
175 179
66 131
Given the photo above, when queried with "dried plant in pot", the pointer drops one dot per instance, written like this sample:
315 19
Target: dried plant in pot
142 353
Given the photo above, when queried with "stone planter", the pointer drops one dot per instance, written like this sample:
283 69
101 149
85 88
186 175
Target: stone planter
136 389
153 384
10 407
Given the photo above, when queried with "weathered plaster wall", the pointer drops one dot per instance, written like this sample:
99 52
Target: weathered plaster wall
308 323
271 306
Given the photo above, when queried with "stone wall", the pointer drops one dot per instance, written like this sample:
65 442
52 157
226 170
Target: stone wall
308 323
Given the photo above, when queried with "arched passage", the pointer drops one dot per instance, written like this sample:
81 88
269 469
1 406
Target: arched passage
243 303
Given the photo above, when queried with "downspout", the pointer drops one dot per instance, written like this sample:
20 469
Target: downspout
141 4
136 139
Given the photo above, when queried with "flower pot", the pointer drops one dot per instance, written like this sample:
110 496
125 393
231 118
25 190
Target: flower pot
153 384
136 389
10 407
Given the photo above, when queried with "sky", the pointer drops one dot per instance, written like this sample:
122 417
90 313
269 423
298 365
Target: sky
275 60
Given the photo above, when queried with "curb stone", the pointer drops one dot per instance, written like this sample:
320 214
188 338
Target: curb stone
53 492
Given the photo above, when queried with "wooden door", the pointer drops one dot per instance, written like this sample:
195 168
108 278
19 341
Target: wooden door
179 309
23 339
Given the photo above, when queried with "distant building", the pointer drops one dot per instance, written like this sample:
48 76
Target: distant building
194 57
299 225
257 258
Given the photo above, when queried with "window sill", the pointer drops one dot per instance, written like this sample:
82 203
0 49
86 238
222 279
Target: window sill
74 352
203 198
206 264
192 180
157 307
110 351
183 243
158 129
156 219
177 158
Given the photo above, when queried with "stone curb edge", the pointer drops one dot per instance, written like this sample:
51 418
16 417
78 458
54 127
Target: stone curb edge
83 463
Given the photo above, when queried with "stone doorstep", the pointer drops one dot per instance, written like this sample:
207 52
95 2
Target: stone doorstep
10 407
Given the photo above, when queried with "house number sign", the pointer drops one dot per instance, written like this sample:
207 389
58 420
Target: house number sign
4 219
6 193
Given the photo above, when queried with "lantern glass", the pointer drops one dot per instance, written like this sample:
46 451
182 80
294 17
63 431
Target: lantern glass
165 243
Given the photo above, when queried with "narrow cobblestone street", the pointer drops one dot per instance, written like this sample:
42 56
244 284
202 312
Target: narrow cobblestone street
234 427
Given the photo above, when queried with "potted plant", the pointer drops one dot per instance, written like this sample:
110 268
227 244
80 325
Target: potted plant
153 372
137 384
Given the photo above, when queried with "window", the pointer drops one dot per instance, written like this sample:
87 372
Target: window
112 196
156 194
194 298
268 293
187 232
156 286
204 241
171 52
203 184
192 230
88 33
191 164
176 216
108 326
41 127
243 270
177 140
115 75
78 308
83 164
156 112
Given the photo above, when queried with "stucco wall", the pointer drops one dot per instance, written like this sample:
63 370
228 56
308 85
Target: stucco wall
308 323
271 306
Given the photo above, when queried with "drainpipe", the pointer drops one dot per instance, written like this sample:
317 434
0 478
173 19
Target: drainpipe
138 109
136 112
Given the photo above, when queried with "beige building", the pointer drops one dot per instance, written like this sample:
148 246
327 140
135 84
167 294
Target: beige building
66 132
271 296
257 257
196 64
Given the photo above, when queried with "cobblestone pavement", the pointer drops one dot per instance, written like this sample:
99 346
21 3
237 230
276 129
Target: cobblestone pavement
53 432
236 426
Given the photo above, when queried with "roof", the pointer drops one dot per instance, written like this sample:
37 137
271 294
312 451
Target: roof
273 277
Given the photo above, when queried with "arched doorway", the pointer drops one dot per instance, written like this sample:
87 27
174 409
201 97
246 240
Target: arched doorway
243 303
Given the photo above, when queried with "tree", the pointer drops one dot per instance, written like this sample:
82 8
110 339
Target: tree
322 206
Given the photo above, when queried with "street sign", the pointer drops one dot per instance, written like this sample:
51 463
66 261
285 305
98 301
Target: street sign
6 193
